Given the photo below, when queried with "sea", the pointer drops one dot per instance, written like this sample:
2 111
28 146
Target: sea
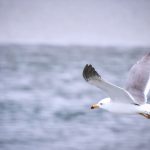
45 102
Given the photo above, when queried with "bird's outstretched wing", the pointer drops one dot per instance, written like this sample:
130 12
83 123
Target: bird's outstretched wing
116 93
138 83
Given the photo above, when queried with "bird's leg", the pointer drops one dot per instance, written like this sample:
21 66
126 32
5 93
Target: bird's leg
145 115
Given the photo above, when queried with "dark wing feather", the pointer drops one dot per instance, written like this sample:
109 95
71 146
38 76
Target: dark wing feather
116 93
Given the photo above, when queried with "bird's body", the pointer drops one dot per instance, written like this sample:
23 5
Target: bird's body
125 108
131 100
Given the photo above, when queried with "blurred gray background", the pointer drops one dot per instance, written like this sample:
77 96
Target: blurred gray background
44 46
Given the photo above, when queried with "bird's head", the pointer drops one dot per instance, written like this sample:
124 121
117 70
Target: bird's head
102 103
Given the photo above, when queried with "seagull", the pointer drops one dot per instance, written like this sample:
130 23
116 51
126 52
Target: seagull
129 100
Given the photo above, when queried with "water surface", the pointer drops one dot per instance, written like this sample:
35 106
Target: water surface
44 100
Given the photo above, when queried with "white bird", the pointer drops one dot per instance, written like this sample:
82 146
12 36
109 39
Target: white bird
132 99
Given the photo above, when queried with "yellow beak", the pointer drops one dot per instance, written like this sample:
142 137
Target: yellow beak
94 106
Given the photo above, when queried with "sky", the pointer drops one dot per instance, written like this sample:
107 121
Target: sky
75 22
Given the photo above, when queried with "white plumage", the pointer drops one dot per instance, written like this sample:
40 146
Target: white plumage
131 100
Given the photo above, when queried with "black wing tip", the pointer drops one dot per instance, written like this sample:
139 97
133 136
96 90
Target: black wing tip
89 71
